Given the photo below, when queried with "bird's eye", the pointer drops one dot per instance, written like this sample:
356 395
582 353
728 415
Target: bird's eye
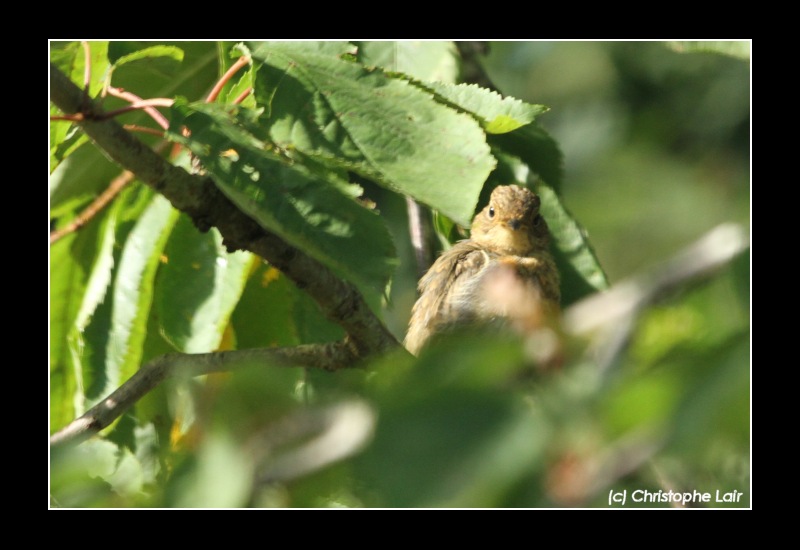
537 221
491 211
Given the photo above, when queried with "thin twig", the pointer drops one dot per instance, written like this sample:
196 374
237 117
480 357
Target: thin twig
418 231
114 188
77 117
143 130
144 104
133 98
608 317
117 184
241 62
87 66
331 356
243 96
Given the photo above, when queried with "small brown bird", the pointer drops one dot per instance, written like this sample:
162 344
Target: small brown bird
503 271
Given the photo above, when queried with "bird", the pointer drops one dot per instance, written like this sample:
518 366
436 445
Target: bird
504 271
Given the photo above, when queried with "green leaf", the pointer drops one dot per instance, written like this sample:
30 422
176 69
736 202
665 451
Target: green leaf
385 129
324 47
163 76
306 208
132 295
95 473
79 179
497 114
94 294
197 288
220 476
246 80
581 273
423 60
274 312
451 430
65 138
263 317
71 261
71 60
734 48
81 305
171 52
536 148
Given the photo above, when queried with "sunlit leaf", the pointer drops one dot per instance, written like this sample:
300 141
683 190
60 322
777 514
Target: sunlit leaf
79 179
498 114
198 286
172 52
423 60
735 48
133 294
306 208
383 128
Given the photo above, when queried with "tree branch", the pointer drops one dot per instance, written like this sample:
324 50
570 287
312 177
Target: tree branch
198 197
325 356
608 318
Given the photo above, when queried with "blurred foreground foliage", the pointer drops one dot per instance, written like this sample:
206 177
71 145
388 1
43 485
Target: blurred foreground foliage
472 422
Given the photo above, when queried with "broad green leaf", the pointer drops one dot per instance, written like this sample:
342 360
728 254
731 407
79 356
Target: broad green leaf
734 48
497 114
65 139
536 148
132 295
329 48
263 317
163 76
197 287
274 312
246 81
80 323
423 60
581 273
79 179
221 476
100 277
384 128
93 296
71 261
307 209
451 431
171 52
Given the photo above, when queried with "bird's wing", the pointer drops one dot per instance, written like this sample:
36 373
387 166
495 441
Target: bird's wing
440 290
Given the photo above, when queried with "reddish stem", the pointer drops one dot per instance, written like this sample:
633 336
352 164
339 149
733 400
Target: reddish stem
241 62
135 99
143 129
117 185
77 117
87 66
102 200
144 104
242 96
